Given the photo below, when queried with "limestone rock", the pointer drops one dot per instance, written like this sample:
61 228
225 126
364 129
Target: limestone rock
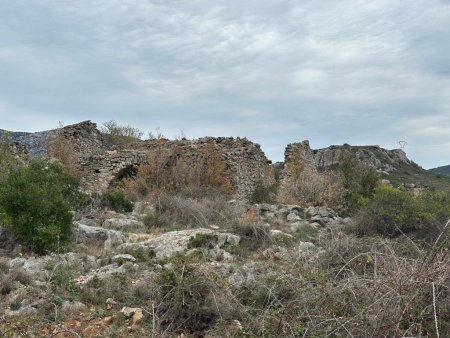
122 224
97 236
135 313
168 244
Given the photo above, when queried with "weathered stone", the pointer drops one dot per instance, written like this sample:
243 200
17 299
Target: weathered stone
69 308
97 236
292 217
135 314
123 258
122 224
168 244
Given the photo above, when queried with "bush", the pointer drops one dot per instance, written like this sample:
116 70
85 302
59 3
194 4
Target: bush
306 187
117 201
116 135
264 193
358 180
35 205
188 300
392 212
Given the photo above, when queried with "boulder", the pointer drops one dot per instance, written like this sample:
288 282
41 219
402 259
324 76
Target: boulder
168 244
97 236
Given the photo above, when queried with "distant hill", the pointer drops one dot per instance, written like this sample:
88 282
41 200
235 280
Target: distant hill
35 142
444 170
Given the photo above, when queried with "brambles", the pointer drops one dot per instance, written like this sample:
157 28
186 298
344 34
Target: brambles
306 187
63 151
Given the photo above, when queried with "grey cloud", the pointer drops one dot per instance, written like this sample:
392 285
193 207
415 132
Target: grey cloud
274 71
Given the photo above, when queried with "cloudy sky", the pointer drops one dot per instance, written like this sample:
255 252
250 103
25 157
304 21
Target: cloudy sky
333 72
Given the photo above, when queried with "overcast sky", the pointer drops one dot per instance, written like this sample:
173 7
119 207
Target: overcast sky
333 72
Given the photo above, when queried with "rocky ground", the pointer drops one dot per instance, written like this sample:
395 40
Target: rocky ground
273 271
114 248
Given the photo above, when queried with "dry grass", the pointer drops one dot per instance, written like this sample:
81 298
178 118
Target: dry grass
63 151
174 168
306 187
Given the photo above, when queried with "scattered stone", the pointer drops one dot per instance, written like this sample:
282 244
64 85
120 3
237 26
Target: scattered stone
110 303
278 234
214 227
120 258
72 307
135 313
293 217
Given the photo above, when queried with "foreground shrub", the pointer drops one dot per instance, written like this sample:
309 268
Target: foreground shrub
34 205
358 180
188 300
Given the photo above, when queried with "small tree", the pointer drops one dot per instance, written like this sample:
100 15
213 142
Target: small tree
35 205
120 136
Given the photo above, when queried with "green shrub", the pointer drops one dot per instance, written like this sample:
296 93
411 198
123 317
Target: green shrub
264 193
392 212
116 201
207 241
152 220
115 135
358 180
35 205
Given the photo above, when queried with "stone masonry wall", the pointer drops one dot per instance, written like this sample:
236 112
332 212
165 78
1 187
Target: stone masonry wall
298 157
245 160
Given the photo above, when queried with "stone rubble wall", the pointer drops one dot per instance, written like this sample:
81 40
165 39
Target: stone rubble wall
245 160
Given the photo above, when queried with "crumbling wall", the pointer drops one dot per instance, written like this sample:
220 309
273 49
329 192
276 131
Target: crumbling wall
245 160
298 158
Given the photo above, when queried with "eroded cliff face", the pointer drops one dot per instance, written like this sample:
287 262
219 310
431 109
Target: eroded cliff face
383 160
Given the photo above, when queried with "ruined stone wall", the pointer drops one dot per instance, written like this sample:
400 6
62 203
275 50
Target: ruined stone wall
298 158
245 161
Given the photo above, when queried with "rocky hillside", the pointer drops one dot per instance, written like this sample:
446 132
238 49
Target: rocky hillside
444 170
35 142
383 160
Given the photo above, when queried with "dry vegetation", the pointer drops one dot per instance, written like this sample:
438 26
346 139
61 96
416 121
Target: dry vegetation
378 276
305 186
170 170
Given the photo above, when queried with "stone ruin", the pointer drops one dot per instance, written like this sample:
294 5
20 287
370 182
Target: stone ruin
99 165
